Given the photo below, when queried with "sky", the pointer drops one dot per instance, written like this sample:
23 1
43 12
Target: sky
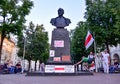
44 10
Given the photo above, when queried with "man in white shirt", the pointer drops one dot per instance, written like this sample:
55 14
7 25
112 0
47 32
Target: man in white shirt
106 61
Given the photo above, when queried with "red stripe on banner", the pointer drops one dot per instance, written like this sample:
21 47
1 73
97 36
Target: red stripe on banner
59 68
88 39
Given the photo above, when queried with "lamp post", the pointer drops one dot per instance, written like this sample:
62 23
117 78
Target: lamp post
24 50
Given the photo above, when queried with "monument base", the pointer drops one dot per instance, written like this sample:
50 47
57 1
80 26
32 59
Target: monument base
78 73
59 69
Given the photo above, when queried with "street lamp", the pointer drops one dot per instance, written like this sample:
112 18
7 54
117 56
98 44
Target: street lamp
23 58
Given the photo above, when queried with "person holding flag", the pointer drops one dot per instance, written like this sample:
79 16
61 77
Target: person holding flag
89 40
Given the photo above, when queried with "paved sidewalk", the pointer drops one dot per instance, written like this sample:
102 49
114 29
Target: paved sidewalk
97 78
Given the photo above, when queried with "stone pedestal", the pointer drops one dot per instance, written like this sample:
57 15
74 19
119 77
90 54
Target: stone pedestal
60 46
60 59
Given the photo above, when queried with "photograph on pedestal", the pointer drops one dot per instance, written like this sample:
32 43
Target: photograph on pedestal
66 58
52 53
57 59
58 43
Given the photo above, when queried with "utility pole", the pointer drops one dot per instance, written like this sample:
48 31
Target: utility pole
96 61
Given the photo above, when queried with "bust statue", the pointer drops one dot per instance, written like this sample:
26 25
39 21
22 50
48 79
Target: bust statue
60 21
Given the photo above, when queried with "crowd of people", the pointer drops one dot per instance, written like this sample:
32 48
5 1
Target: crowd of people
8 67
89 63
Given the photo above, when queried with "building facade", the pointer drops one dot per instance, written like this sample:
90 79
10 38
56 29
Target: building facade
115 53
9 52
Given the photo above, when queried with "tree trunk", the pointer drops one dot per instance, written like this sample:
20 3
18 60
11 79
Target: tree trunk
29 65
35 65
39 65
1 44
107 46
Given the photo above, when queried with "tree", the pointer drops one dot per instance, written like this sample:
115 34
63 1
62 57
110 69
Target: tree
13 13
41 46
36 45
102 19
77 41
116 10
24 44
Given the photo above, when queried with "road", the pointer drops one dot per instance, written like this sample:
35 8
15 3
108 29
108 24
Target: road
97 78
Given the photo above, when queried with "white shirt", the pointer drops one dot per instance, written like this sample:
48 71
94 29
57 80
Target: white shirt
105 56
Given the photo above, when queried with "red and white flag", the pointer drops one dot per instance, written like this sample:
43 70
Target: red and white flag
89 40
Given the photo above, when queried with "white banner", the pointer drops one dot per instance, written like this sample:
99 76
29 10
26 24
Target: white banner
59 69
58 43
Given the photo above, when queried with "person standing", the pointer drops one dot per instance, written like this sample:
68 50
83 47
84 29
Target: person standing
18 68
106 61
91 57
42 67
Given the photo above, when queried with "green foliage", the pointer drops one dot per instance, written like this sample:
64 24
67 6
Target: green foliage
41 46
102 19
77 42
36 45
13 15
116 10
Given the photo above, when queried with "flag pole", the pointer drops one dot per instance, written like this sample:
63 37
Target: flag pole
96 70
